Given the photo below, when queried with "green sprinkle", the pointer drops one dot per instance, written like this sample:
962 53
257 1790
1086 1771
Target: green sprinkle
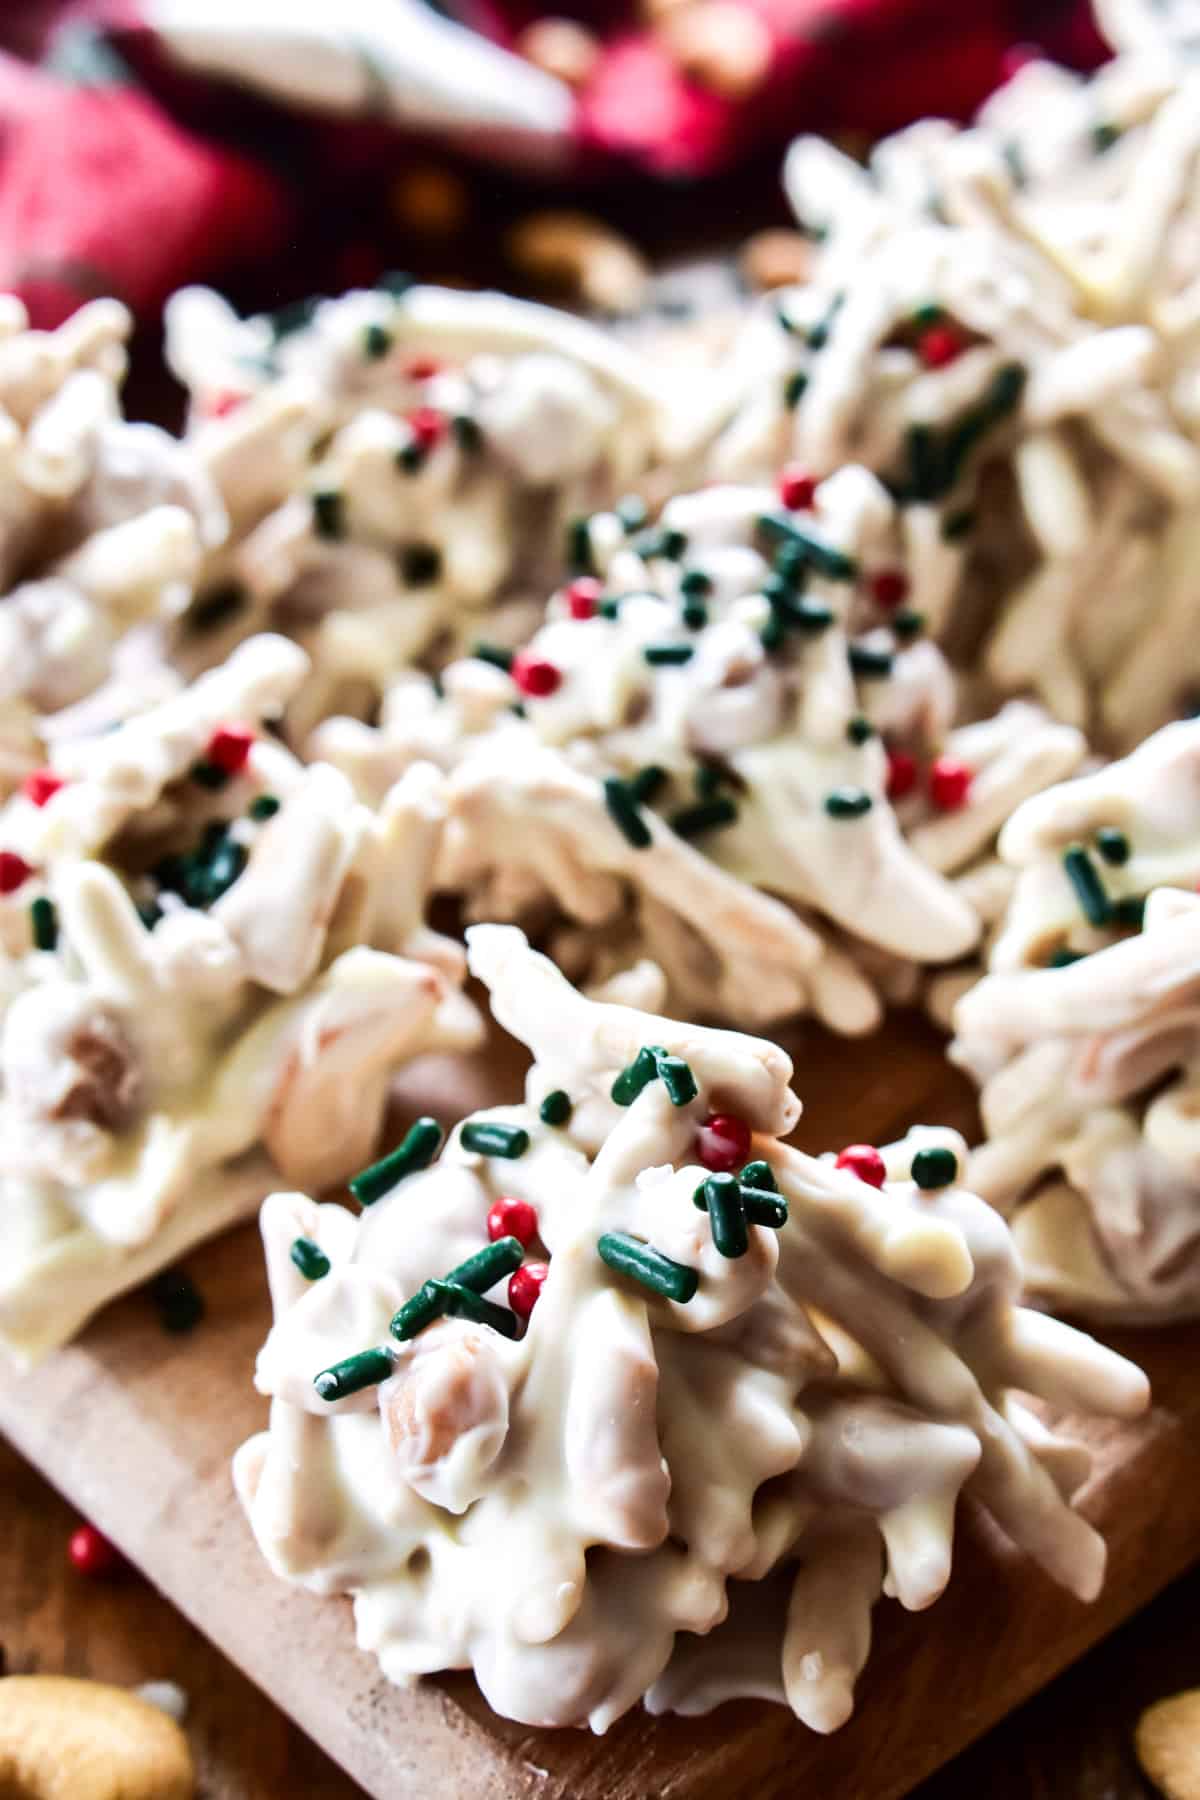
217 606
1104 135
871 665
1089 889
43 921
209 775
608 609
212 878
556 1108
377 341
1062 959
647 783
491 1139
706 815
496 654
579 547
810 616
631 511
848 803
791 566
695 615
467 433
722 1201
310 1259
461 1303
759 1174
784 319
353 1374
907 624
293 317
264 806
420 564
476 1275
1130 910
707 780
696 584
673 543
764 1208
410 457
489 1265
328 512
928 314
661 654
823 557
957 525
676 1076
425 1306
1113 845
794 388
179 1301
860 730
935 1167
1004 393
416 1150
1011 153
632 1079
773 633
659 1273
149 912
623 811
921 451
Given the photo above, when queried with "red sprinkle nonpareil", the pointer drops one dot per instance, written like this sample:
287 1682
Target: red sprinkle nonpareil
940 345
864 1161
901 774
422 368
536 676
42 785
797 488
91 1553
223 402
524 1287
723 1143
427 425
509 1217
889 588
949 783
229 747
583 597
14 871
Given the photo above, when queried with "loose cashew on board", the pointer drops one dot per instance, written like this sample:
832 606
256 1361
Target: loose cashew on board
1168 1745
62 1739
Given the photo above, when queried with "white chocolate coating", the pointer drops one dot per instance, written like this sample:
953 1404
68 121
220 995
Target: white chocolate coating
577 1515
785 906
1053 522
1088 1070
533 416
103 524
156 1079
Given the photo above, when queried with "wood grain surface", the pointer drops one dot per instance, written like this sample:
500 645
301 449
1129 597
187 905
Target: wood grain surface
137 1429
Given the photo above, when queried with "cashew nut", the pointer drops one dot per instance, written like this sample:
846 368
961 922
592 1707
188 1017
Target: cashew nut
574 252
62 1739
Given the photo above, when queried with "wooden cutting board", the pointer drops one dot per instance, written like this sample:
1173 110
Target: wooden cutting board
137 1429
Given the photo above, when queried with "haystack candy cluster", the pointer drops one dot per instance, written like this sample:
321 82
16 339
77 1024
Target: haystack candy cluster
397 465
1084 1037
212 960
732 750
103 526
621 1398
1002 324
